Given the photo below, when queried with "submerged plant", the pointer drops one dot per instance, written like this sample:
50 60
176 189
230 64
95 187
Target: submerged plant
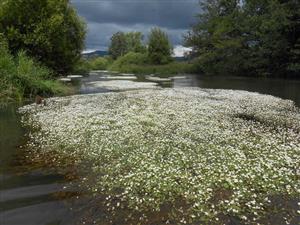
206 155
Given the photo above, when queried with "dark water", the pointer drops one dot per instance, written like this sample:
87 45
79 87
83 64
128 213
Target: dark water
286 89
26 195
29 196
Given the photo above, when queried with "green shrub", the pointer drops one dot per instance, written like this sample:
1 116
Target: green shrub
84 66
21 76
99 63
128 60
49 30
159 47
137 63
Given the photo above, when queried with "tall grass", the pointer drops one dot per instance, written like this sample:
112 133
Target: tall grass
22 77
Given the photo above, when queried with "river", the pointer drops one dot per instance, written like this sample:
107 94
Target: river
32 195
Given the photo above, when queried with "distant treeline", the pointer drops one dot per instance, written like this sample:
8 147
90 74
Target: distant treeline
158 49
128 53
231 37
247 37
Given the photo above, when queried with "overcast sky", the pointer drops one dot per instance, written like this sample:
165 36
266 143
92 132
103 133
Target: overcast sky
105 17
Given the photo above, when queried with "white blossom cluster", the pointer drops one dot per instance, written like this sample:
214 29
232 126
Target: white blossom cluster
219 152
120 84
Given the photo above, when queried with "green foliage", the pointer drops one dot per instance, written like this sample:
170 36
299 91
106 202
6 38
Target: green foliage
252 38
118 45
134 42
48 30
159 47
99 63
21 77
138 63
166 69
3 43
122 43
84 66
131 58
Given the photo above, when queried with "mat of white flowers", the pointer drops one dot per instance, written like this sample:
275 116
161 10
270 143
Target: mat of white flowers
220 152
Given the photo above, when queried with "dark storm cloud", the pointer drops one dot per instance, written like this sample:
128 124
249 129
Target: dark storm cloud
105 17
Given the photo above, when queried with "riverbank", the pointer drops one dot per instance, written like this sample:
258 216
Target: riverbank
23 77
209 155
136 63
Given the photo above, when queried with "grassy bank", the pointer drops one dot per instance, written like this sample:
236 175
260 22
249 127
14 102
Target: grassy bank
22 77
179 155
137 63
167 69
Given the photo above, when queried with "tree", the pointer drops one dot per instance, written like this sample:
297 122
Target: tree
217 38
3 43
250 37
49 30
118 46
134 42
294 36
159 47
122 43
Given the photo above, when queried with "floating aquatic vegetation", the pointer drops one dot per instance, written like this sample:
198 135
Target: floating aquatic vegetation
179 77
217 152
99 71
127 74
121 85
65 79
74 76
122 77
157 79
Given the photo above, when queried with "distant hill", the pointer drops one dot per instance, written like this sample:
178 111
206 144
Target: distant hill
96 53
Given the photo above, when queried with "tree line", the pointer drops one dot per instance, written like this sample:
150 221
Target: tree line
158 48
231 37
247 37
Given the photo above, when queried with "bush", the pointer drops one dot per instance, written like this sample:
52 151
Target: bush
49 30
159 47
167 69
138 63
21 76
131 58
84 66
99 63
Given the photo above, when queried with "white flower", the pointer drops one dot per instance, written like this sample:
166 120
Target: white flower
225 146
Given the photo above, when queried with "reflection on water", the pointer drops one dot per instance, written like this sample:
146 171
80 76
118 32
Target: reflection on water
28 197
286 89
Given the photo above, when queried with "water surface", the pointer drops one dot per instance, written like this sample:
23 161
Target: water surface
29 195
26 194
